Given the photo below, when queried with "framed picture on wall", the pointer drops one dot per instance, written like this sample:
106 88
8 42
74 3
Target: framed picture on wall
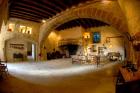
96 36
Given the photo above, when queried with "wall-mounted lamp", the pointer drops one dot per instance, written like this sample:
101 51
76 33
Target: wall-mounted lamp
105 1
43 21
86 35
110 46
107 40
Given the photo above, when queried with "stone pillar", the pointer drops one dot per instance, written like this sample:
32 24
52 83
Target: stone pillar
1 20
131 10
3 11
138 63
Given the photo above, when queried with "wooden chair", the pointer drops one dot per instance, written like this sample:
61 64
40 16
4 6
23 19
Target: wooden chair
93 59
75 59
3 68
115 56
5 64
82 59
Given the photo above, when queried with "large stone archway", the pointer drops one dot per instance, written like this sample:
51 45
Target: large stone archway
109 13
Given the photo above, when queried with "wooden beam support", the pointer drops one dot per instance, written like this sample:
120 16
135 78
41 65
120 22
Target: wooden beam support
25 17
23 5
25 13
28 10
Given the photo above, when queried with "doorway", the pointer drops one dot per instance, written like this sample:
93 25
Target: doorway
31 51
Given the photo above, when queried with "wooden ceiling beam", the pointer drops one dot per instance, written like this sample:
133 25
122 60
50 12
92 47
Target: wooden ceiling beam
81 21
23 5
69 25
28 10
90 23
25 17
41 4
25 13
84 22
1 1
77 22
60 3
52 4
93 23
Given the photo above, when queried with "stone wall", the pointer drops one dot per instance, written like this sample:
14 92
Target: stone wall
115 44
131 11
6 35
122 14
56 36
12 48
71 33
108 12
35 26
77 33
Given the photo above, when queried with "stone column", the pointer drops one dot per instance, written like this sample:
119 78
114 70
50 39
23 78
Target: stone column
138 63
131 10
3 11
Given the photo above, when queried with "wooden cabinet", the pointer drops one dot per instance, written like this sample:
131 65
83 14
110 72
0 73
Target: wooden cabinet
128 82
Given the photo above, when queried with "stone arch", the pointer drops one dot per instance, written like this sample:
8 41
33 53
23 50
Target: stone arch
88 11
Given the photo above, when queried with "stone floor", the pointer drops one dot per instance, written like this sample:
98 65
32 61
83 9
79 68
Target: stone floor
59 76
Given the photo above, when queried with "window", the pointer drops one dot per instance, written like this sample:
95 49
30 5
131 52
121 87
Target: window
29 30
25 29
19 28
22 29
86 35
11 27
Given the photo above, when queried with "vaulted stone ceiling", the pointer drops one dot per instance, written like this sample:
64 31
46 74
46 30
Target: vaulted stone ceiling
84 22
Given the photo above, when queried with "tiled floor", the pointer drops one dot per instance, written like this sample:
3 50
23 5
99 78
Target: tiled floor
59 76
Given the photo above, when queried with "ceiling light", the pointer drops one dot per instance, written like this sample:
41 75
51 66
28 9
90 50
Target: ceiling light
43 21
105 1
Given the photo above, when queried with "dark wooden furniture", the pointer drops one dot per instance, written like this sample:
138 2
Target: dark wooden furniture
128 81
3 68
114 56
